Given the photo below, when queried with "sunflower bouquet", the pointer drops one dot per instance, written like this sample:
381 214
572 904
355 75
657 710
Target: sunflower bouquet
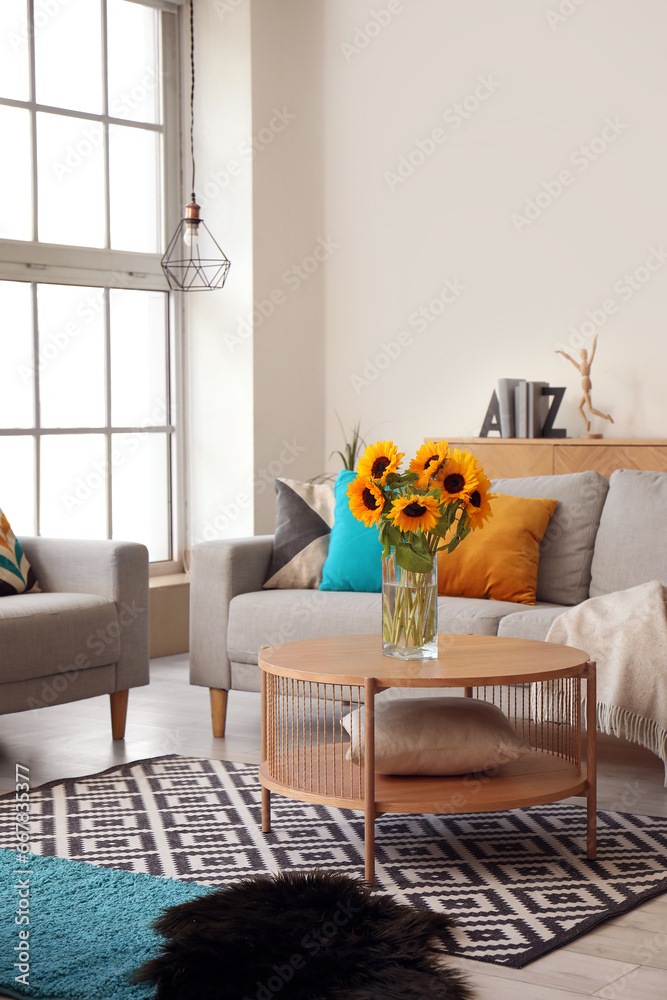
431 507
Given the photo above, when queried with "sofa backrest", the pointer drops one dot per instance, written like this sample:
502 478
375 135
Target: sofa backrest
631 545
566 550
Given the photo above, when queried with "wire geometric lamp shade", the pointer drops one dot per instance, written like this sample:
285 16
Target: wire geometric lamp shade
193 260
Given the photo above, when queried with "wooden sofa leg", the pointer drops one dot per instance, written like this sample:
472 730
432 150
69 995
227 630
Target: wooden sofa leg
118 713
218 710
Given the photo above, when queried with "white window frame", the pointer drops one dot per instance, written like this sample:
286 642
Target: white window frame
35 262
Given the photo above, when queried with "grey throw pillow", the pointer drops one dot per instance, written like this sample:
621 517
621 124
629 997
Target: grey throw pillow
566 549
631 545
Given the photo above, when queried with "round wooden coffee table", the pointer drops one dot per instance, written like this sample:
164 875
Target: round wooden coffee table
309 687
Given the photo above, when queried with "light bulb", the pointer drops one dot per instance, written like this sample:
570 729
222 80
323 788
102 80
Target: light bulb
191 235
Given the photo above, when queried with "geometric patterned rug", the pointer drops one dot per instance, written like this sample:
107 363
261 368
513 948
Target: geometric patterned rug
518 883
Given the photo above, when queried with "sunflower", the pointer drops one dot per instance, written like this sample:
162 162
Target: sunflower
478 507
459 475
378 461
415 513
428 460
366 501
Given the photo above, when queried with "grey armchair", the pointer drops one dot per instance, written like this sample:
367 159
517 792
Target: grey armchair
86 635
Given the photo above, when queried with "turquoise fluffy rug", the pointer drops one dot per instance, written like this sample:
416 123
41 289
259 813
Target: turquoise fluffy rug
89 927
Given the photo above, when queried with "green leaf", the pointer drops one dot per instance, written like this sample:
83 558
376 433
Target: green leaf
385 541
352 448
461 533
394 534
411 560
420 543
440 529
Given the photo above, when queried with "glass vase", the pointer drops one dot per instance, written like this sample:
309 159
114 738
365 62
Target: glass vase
409 611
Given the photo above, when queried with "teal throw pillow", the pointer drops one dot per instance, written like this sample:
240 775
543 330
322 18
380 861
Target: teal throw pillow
354 561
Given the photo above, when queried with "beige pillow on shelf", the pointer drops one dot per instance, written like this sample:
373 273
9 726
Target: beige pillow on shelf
437 736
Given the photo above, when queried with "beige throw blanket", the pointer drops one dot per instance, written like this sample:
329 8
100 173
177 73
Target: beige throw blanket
626 634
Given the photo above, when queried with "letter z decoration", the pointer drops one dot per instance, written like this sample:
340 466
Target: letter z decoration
548 430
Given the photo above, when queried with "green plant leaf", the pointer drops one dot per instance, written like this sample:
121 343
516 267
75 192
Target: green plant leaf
440 529
411 560
393 534
393 479
352 448
385 541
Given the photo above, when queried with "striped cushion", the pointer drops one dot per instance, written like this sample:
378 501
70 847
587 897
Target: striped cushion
16 575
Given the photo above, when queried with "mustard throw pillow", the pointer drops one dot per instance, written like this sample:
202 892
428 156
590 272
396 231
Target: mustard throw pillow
499 560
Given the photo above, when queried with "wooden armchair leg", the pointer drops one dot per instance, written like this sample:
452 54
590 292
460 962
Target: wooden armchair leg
118 713
218 710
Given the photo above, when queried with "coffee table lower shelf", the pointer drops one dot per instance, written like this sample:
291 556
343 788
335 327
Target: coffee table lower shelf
535 779
313 690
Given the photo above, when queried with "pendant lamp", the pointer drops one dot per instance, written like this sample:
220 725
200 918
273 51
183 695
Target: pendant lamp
193 260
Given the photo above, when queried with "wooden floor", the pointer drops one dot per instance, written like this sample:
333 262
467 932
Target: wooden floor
624 959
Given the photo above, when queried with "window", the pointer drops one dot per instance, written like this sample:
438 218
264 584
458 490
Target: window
87 333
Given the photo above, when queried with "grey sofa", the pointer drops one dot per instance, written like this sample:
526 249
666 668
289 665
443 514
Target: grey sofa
604 536
85 635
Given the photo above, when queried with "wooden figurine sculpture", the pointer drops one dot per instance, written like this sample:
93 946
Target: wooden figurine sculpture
584 367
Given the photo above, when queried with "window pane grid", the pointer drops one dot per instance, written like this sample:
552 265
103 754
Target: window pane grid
53 109
14 68
102 429
81 149
110 480
128 465
33 131
107 186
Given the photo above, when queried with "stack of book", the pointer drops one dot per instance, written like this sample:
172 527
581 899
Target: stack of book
523 407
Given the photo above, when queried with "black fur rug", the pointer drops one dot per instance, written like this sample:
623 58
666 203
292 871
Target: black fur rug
302 936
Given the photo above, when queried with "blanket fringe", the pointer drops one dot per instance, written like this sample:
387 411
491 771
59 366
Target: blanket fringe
628 725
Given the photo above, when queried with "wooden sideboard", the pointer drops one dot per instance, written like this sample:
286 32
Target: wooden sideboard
512 457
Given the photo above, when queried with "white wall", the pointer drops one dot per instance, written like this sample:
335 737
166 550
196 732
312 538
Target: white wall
256 380
555 85
364 94
218 363
290 247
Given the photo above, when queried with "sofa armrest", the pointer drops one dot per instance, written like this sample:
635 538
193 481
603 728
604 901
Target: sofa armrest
115 570
220 570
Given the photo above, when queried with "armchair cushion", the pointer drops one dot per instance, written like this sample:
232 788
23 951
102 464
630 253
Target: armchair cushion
114 570
45 634
86 635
